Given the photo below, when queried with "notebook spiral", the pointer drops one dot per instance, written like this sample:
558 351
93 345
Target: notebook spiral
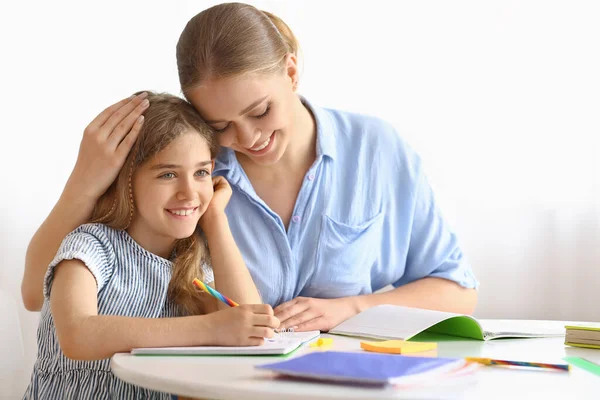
284 332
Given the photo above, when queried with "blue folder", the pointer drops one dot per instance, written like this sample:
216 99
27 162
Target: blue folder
365 368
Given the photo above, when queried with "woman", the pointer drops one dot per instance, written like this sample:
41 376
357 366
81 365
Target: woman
327 206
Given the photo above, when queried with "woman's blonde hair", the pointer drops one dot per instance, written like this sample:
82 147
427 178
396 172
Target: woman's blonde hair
166 118
232 39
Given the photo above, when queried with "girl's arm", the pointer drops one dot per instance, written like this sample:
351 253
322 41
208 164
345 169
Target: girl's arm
232 277
104 147
85 335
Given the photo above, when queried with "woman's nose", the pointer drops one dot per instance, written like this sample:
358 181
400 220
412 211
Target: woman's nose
247 135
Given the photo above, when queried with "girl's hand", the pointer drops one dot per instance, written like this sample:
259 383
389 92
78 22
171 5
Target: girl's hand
221 196
216 208
105 145
245 325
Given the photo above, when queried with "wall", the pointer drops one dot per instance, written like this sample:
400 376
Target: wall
499 97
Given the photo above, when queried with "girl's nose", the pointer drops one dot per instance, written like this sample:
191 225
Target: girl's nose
186 190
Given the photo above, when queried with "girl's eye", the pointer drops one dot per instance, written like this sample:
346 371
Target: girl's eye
168 175
203 173
264 114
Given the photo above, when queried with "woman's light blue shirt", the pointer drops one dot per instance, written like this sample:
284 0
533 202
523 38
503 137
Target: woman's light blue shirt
365 217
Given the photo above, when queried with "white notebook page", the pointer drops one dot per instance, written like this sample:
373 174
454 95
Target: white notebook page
280 344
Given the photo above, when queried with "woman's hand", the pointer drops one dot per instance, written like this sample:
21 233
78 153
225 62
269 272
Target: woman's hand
105 145
216 208
103 150
245 325
307 313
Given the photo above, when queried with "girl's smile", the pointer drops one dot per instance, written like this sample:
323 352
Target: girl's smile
182 213
171 192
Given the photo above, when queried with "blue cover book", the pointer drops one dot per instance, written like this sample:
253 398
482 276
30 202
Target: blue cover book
367 368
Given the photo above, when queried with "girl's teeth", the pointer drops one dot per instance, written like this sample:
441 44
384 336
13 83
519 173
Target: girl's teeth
262 146
182 212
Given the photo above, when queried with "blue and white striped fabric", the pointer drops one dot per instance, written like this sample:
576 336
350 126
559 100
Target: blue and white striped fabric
131 282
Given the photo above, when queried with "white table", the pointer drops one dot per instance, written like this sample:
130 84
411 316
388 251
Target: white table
236 378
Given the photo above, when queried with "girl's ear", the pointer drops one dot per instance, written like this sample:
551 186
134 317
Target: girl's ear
212 168
291 70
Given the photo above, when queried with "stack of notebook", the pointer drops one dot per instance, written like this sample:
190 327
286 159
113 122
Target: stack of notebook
372 368
583 336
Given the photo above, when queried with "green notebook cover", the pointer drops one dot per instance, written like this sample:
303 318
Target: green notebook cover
390 322
460 326
587 346
582 328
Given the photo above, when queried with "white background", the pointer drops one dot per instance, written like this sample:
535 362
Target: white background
501 99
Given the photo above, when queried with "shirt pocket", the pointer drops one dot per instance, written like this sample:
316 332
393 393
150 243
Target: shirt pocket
345 257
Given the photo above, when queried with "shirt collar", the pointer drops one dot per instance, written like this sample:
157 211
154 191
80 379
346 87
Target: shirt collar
326 131
225 161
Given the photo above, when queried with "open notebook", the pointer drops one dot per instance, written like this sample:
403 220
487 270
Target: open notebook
396 322
279 345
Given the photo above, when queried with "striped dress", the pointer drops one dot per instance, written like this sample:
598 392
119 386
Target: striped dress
131 282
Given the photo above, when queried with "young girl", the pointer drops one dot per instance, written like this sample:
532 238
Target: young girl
339 201
125 280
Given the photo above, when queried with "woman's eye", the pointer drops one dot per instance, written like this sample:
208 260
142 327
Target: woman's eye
168 175
203 173
221 130
264 114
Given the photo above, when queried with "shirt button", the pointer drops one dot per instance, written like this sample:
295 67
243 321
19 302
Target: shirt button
311 177
296 218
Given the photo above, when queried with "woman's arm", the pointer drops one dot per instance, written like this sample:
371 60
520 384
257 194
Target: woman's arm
85 335
430 293
232 277
305 313
69 212
103 150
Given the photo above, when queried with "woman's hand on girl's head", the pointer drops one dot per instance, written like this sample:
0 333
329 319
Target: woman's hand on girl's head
246 325
105 145
216 208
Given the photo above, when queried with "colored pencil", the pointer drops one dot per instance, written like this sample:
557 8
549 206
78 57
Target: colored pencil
214 293
490 361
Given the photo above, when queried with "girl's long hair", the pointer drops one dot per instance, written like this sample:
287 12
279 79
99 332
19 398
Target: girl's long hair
165 119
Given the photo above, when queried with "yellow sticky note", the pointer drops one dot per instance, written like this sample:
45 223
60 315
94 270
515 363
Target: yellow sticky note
397 346
322 342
